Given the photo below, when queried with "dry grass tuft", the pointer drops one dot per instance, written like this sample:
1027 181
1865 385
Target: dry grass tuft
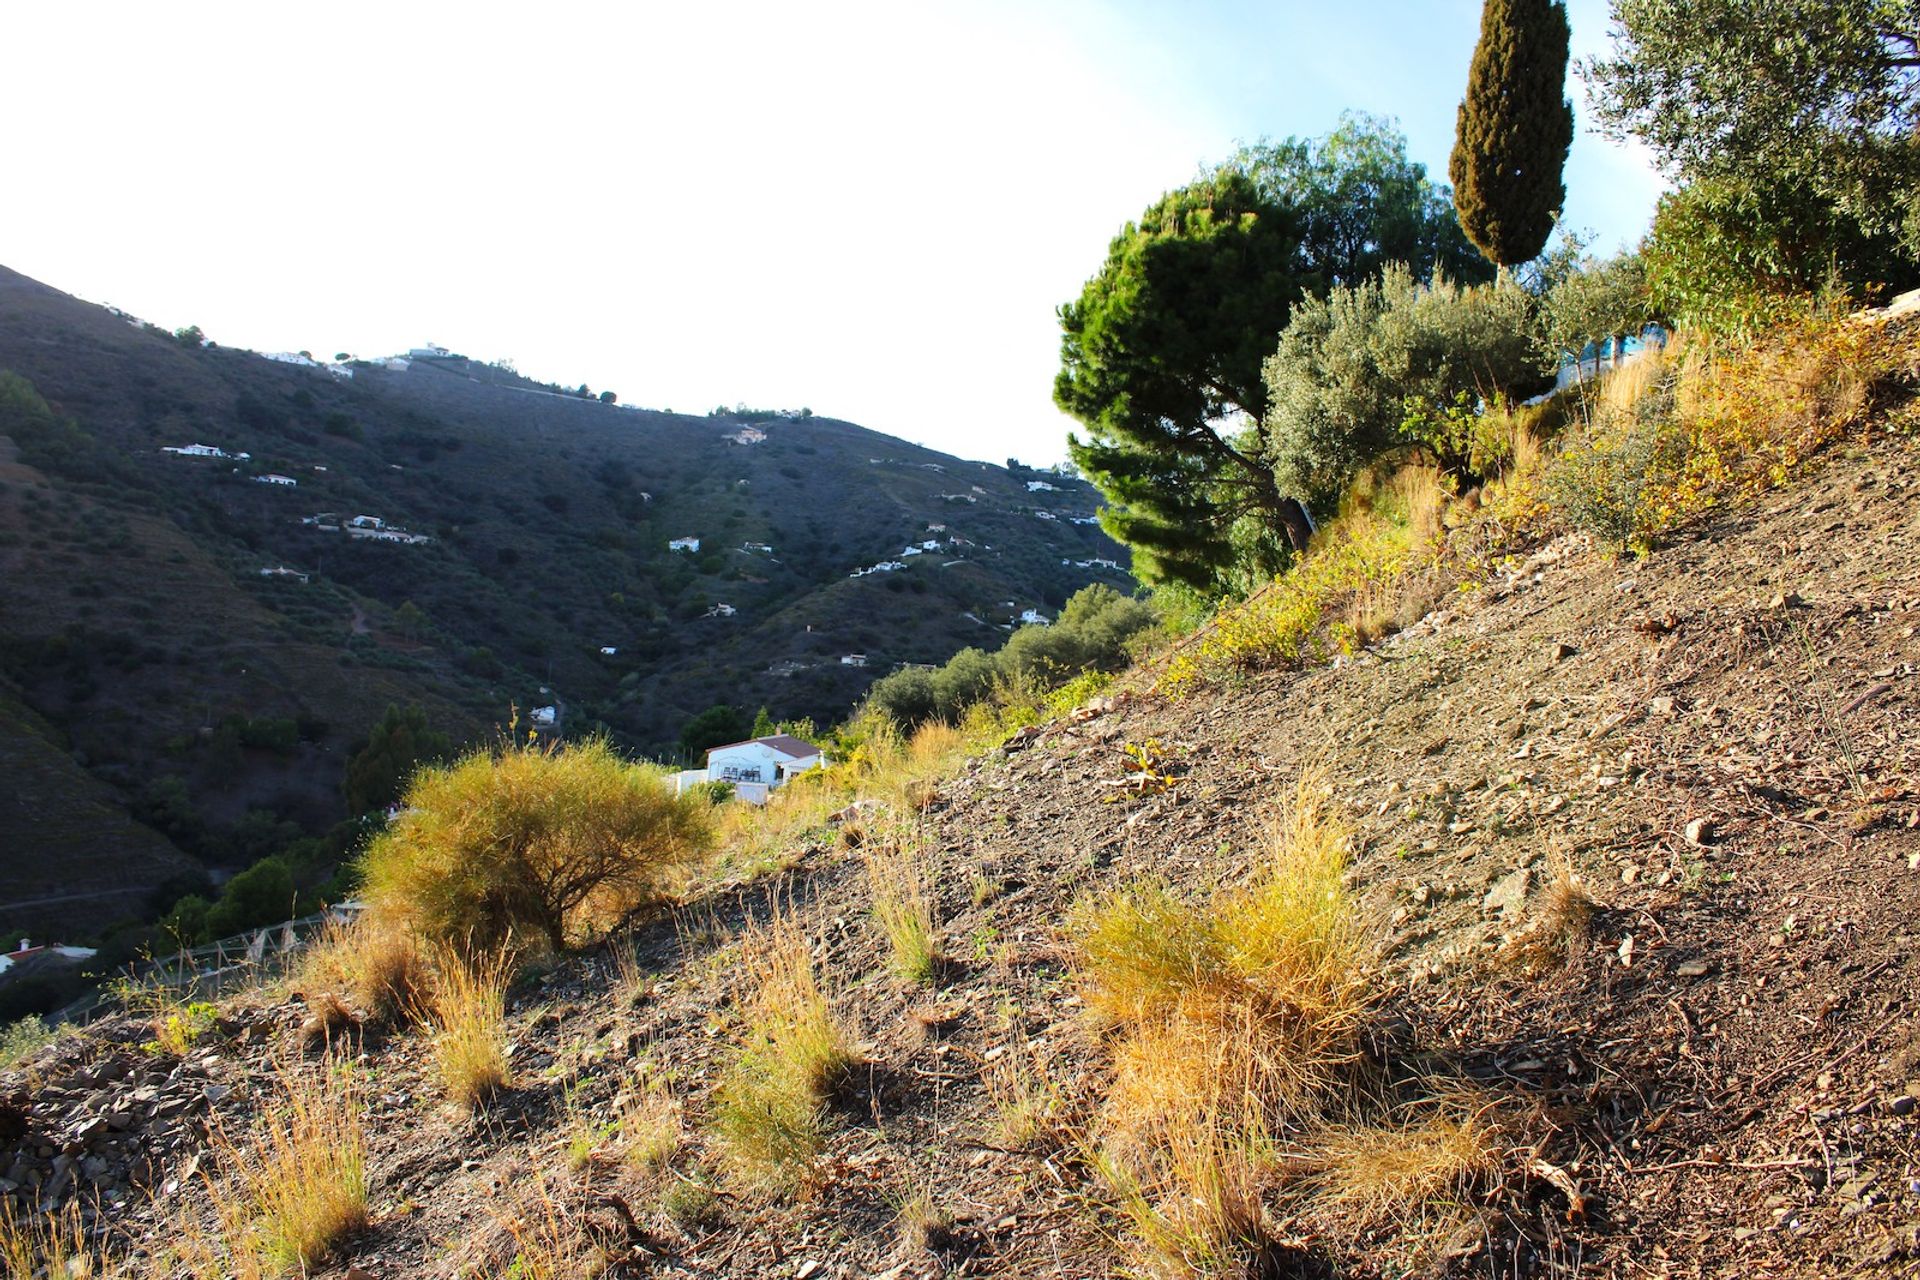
1235 1020
651 1127
768 1107
904 912
375 964
1029 1106
1560 923
47 1244
468 1012
923 1225
305 1167
551 1240
1369 1176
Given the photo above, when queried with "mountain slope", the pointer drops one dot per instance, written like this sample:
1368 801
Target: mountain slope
1714 741
150 621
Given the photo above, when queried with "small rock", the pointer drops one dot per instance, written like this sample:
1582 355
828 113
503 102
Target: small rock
1784 600
217 1092
1561 651
1508 894
1700 832
1693 969
355 1273
1629 874
1903 1105
1661 706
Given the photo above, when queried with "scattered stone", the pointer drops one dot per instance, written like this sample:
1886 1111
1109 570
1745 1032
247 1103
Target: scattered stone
1903 1105
1700 832
1693 969
1508 894
1561 651
1629 873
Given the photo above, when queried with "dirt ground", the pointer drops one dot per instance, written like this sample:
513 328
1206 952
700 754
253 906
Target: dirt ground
1717 740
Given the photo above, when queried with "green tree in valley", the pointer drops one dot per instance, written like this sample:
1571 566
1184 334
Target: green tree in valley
714 727
1515 126
1160 360
400 743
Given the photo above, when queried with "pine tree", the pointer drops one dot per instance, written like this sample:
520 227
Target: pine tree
1514 129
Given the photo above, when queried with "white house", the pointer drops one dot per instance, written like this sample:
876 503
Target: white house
607 650
543 717
1041 486
720 611
1033 617
853 659
684 544
764 548
758 765
196 450
273 477
367 522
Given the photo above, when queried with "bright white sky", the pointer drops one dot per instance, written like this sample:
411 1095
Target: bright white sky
871 209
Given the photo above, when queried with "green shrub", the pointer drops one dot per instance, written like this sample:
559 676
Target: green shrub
1349 363
559 841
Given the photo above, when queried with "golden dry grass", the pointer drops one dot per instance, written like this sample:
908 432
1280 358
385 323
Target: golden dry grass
903 910
768 1108
373 964
304 1167
1235 1020
468 1013
652 1129
47 1244
1559 924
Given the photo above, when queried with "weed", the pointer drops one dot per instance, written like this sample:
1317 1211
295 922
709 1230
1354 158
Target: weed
24 1038
177 1028
904 913
468 1011
47 1244
923 1225
1236 1019
375 962
767 1109
550 1239
651 1129
1559 924
691 1203
1028 1105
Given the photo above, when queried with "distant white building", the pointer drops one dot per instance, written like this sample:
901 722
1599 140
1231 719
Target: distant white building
755 767
1041 486
764 548
684 544
746 435
431 351
198 451
367 522
720 611
607 650
281 571
1046 515
853 659
273 477
1033 617
543 717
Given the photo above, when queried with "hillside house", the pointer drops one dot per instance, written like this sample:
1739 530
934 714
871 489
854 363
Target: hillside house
684 544
367 522
758 765
199 451
281 571
543 717
608 651
746 435
720 611
274 477
764 548
853 659
1035 618
1041 486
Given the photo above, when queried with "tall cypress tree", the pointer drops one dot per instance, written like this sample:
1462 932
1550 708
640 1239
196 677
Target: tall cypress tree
1514 129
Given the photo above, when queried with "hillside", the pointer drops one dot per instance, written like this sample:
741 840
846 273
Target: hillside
149 623
1716 1076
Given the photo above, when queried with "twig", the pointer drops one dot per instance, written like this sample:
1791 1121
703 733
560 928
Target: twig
1698 1163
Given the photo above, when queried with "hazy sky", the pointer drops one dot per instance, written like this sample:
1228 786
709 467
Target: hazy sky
871 209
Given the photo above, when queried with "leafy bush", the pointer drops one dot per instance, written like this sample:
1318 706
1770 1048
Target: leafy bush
1348 364
377 773
1091 634
558 841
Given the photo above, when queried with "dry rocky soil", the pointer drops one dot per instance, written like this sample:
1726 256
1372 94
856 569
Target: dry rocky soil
1717 739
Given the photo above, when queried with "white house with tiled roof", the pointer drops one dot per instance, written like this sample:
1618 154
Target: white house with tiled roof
757 766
